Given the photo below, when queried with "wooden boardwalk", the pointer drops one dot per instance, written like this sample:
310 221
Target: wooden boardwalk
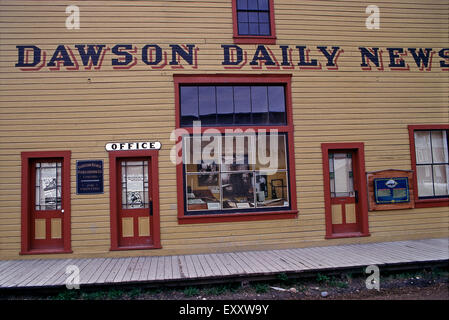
50 273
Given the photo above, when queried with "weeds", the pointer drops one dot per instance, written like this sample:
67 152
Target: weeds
191 291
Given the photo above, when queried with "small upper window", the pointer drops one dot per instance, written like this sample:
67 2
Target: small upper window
253 21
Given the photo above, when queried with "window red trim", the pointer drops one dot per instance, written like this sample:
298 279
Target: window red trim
284 79
359 162
27 157
424 203
113 180
238 39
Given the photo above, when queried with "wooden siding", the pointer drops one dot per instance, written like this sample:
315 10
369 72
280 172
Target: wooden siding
62 110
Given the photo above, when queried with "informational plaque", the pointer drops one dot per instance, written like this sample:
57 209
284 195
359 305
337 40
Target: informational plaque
89 176
391 190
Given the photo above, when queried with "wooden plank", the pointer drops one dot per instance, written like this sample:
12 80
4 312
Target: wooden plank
20 269
219 263
152 271
198 266
216 269
241 261
50 273
175 267
30 273
123 265
293 264
168 271
129 270
146 263
98 271
190 267
137 270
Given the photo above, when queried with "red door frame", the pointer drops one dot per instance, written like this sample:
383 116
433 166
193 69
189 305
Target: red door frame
26 198
358 163
114 180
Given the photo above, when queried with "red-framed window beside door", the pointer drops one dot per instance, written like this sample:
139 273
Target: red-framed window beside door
239 163
45 202
430 164
345 190
134 200
253 21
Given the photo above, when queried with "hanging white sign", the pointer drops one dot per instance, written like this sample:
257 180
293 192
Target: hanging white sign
125 146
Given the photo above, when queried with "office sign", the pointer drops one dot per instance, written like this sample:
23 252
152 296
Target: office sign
391 190
126 146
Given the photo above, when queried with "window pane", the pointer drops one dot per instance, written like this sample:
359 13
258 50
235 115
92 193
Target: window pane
242 4
243 28
238 153
264 29
253 17
263 4
243 17
207 105
441 179
253 28
252 5
203 192
189 105
242 105
271 152
134 184
264 17
225 105
272 189
48 186
276 103
425 182
259 100
439 147
238 190
344 186
422 147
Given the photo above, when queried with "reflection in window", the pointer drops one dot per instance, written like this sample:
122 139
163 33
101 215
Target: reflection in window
232 105
134 184
432 163
241 177
48 186
253 17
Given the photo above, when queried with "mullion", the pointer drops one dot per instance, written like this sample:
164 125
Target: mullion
431 154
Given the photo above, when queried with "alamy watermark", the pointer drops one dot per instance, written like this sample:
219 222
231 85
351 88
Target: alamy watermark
73 279
373 280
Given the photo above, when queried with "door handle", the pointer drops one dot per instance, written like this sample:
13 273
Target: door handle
356 196
62 211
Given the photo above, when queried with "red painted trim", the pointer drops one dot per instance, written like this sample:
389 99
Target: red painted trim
423 203
154 189
284 79
27 157
238 39
359 163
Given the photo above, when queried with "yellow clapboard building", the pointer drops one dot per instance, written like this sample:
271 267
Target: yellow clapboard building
134 128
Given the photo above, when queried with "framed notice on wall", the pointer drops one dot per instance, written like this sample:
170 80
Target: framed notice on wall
390 190
89 176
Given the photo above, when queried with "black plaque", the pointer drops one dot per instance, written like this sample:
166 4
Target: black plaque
89 176
391 190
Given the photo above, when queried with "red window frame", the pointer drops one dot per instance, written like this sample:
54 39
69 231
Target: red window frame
27 158
252 39
424 203
284 79
114 180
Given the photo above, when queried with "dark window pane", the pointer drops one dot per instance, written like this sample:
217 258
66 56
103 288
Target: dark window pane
276 102
259 100
264 17
263 4
252 5
253 29
225 105
242 105
242 4
189 105
243 28
243 17
208 109
264 29
253 17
